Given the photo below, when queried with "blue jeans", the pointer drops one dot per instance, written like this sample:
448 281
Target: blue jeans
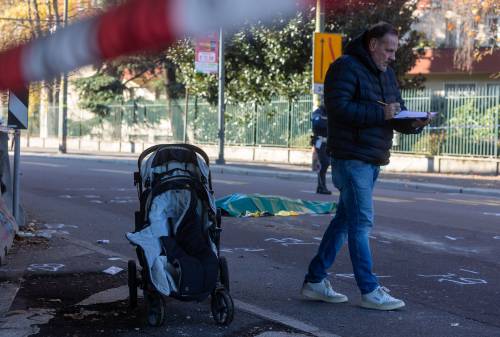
353 221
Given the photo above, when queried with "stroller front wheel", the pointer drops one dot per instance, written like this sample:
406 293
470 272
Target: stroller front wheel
156 308
222 307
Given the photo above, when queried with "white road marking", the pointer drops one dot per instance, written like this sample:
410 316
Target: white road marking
494 214
229 182
111 171
59 226
385 199
42 164
469 271
249 250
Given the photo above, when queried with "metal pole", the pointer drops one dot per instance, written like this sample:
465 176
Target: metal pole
15 187
63 113
222 75
186 109
320 28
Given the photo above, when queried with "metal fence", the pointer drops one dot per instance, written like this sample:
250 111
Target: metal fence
467 124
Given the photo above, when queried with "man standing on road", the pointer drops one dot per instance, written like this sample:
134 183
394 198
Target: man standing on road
320 131
361 98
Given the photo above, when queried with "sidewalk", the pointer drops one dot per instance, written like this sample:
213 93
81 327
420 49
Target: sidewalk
59 287
449 183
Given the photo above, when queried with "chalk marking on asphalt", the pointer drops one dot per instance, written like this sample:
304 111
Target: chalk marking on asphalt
453 238
42 164
290 241
352 275
53 267
259 312
282 319
454 278
111 171
469 271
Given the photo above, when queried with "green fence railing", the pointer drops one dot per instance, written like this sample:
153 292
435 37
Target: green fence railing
467 124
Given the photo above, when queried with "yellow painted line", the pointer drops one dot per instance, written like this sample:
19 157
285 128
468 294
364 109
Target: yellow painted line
464 202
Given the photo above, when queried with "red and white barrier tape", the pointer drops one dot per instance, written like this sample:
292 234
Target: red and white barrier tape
138 25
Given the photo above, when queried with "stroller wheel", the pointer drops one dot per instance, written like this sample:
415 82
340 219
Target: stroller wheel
132 284
222 307
155 307
224 272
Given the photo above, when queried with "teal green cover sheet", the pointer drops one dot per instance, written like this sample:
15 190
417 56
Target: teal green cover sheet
240 204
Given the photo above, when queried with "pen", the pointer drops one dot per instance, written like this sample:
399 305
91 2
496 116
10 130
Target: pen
385 104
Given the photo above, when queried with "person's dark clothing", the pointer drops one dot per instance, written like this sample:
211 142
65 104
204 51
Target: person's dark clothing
320 133
356 125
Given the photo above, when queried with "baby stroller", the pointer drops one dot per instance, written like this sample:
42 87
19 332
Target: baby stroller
177 234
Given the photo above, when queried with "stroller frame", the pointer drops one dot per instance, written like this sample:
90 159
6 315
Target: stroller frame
222 306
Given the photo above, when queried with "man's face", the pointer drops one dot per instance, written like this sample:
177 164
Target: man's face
383 50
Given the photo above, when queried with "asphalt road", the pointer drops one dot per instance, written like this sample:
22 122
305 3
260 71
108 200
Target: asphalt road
437 251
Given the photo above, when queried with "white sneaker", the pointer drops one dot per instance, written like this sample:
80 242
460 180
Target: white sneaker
322 291
380 299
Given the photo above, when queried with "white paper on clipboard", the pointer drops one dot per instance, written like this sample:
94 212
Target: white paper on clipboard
413 114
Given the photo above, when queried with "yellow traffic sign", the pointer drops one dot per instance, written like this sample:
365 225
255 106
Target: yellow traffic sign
327 48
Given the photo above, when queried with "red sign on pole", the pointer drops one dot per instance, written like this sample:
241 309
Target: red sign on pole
207 54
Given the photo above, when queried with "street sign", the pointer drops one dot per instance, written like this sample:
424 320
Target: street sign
18 108
206 53
327 48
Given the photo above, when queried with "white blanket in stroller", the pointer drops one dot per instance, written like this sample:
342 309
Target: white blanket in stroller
160 270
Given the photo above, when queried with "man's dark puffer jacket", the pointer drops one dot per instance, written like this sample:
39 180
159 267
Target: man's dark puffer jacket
356 125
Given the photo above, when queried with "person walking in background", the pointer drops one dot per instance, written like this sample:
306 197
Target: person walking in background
319 128
361 98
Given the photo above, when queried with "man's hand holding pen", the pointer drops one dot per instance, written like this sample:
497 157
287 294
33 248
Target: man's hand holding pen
390 109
